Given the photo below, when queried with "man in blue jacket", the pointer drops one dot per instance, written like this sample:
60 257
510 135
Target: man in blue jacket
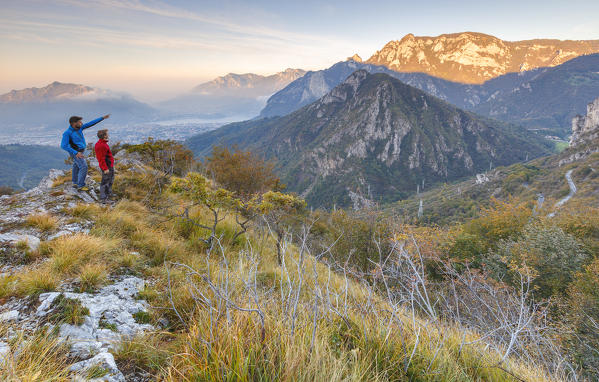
73 142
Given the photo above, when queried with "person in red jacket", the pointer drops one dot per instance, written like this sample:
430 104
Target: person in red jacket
106 162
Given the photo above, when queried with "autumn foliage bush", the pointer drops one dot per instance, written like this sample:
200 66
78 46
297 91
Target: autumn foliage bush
242 172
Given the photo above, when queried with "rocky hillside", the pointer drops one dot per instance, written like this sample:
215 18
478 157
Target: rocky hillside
474 58
566 179
545 99
141 291
89 320
374 137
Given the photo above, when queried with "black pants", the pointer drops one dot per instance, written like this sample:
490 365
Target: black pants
106 185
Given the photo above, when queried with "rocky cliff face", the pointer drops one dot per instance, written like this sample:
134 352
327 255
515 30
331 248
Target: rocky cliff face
475 57
586 128
374 136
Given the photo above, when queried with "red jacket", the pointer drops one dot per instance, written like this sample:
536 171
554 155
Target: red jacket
104 155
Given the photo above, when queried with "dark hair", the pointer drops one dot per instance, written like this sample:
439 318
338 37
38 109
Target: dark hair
102 133
74 119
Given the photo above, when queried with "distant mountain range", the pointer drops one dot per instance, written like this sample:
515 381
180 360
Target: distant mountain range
51 105
374 137
474 58
544 98
53 92
236 95
249 83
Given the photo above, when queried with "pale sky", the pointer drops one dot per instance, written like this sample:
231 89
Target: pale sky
155 49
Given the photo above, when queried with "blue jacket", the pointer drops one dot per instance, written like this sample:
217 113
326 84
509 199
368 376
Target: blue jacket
73 140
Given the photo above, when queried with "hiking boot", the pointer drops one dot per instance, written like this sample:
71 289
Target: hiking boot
84 188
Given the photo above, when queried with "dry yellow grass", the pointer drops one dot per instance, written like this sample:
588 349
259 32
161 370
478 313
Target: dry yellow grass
35 281
69 253
44 222
92 276
363 347
84 211
38 357
62 179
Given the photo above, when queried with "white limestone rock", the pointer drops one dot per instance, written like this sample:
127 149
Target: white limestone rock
13 238
586 128
11 315
113 305
102 360
481 178
4 352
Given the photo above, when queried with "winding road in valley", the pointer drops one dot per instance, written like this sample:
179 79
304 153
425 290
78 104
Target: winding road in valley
570 194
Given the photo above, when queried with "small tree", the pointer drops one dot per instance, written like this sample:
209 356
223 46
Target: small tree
242 172
219 201
278 210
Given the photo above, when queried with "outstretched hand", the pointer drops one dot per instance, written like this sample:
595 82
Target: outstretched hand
106 116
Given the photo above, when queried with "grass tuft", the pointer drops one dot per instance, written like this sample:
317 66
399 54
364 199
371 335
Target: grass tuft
84 211
150 352
44 222
142 317
91 277
96 371
38 357
70 253
35 282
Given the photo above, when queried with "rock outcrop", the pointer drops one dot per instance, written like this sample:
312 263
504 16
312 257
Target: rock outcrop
586 128
113 310
356 57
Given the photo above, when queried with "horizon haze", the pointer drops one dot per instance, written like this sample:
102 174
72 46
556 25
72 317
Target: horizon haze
155 50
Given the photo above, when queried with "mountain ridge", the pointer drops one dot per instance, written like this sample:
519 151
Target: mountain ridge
473 58
532 98
51 92
373 133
